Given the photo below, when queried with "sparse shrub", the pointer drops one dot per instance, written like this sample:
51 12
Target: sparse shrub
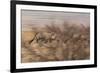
71 42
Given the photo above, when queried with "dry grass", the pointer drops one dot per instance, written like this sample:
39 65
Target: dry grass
55 44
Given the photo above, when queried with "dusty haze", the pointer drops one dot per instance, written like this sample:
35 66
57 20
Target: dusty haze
42 18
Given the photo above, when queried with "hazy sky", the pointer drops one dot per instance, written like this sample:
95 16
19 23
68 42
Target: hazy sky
41 18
